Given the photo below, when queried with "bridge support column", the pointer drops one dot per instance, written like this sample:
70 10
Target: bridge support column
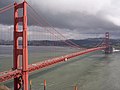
23 51
108 48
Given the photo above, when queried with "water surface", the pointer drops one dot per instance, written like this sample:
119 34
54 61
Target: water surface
94 71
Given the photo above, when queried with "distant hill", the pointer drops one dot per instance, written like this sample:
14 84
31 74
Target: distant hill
90 42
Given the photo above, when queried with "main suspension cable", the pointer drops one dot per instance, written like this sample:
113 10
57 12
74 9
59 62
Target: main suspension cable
36 20
52 26
6 8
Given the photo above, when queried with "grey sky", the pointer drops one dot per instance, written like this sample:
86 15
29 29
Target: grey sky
82 18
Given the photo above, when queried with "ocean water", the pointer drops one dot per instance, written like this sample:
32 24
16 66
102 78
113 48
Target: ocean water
94 71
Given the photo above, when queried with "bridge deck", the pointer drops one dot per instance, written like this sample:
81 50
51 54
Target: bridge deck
8 75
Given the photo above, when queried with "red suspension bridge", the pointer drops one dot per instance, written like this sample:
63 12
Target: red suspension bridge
20 73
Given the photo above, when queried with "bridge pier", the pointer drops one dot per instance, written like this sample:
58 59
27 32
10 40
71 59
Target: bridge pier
22 81
109 50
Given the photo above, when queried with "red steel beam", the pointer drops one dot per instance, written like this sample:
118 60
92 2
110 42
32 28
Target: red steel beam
37 66
56 60
10 75
23 51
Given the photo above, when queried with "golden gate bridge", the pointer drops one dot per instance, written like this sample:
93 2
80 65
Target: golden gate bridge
19 73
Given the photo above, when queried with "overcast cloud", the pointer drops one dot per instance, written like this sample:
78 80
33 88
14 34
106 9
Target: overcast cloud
75 19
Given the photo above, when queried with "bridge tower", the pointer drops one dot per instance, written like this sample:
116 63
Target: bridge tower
108 48
21 81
